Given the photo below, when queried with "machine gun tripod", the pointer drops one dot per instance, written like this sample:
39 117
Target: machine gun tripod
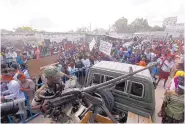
95 102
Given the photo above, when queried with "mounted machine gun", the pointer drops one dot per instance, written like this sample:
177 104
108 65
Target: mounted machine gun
56 105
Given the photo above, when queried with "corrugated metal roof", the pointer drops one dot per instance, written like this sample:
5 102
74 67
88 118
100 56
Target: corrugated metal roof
121 67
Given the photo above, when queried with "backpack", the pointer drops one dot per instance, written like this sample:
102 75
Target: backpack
175 107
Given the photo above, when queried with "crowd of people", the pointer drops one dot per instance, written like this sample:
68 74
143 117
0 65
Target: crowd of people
72 56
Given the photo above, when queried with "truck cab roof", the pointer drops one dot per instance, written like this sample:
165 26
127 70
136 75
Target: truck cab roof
122 68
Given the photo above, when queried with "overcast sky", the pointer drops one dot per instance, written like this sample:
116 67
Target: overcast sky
65 15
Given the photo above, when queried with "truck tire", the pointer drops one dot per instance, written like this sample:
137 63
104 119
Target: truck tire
108 98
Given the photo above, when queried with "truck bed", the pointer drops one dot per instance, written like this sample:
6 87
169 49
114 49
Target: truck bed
134 118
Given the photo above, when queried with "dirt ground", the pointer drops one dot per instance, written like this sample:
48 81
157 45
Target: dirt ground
159 92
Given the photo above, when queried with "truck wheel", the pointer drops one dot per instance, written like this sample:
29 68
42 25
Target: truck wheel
108 98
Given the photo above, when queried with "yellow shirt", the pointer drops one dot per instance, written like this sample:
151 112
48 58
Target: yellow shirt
179 73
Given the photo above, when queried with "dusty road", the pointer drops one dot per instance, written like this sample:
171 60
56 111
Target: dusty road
159 92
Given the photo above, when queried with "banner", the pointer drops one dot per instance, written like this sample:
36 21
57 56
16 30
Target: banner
34 65
91 45
105 47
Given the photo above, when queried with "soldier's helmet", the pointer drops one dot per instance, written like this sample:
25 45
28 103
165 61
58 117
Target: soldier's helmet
51 71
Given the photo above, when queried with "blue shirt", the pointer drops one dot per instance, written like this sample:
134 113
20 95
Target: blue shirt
125 54
154 70
72 71
129 52
19 60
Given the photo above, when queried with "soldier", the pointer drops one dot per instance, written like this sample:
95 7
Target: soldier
45 80
54 84
52 87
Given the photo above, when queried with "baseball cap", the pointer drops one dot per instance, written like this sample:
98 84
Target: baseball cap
51 71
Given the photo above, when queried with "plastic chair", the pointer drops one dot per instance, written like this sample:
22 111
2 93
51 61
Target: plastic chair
10 120
28 104
29 109
20 113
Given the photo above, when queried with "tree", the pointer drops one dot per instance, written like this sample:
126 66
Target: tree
121 25
139 24
24 29
130 29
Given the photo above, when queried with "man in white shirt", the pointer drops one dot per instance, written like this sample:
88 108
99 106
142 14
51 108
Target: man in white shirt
13 89
150 55
13 92
97 60
86 62
166 66
13 54
8 57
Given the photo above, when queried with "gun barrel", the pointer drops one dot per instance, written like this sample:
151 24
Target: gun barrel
123 77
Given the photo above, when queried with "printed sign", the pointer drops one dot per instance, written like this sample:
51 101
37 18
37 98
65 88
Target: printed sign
105 47
91 45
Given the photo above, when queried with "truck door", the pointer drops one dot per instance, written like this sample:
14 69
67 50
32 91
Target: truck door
130 96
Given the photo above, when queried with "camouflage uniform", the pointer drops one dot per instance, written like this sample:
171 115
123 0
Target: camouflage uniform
48 91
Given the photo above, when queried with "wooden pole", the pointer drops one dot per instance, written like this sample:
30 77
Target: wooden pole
49 65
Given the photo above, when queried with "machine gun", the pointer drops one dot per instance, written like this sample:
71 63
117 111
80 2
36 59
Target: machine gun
55 105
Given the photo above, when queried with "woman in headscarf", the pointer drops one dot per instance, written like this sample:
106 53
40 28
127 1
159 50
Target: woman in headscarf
175 81
172 110
180 70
